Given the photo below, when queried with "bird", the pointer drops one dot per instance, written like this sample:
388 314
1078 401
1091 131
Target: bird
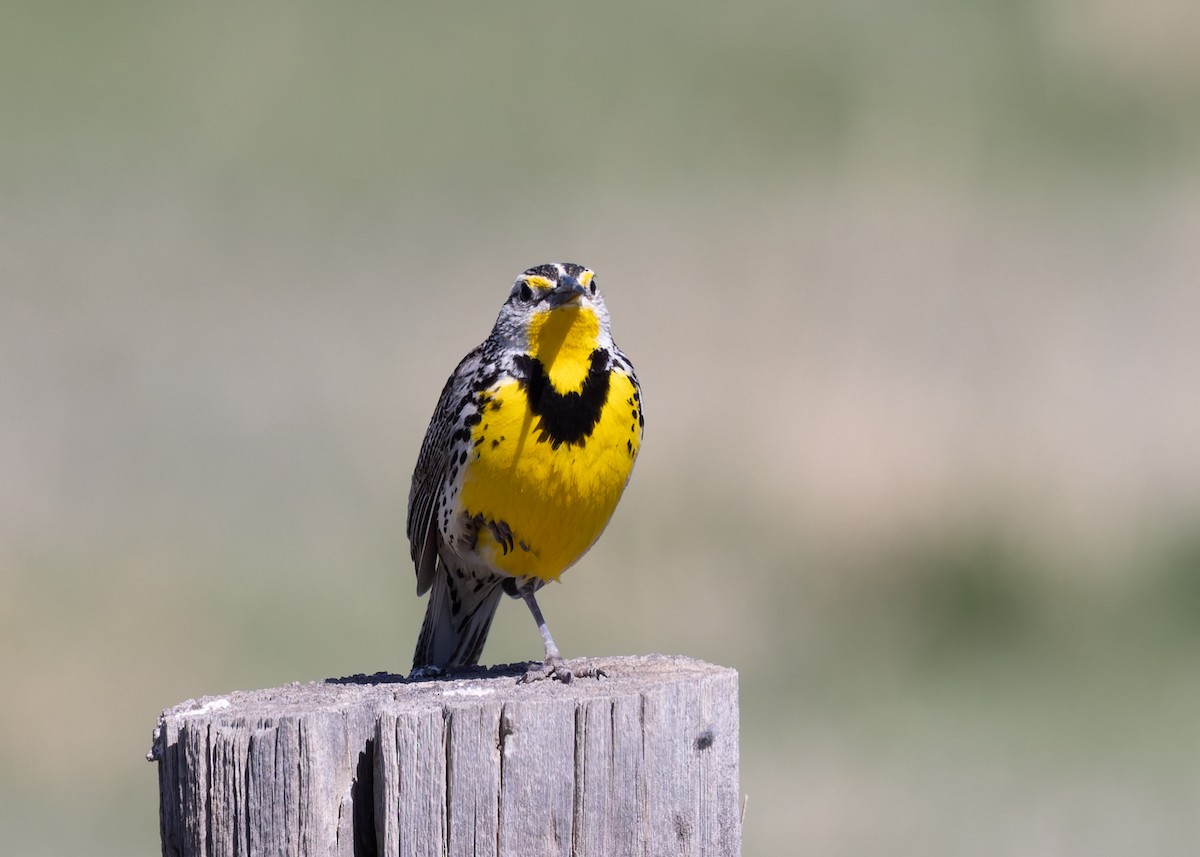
530 448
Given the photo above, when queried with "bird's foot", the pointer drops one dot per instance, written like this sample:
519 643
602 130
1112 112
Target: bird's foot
429 671
556 668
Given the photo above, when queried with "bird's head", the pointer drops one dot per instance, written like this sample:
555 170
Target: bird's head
555 309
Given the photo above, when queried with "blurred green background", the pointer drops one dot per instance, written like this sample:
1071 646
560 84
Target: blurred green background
912 290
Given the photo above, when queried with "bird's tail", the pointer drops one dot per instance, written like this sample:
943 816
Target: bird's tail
457 619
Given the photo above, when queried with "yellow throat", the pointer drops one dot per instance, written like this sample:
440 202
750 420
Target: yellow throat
553 450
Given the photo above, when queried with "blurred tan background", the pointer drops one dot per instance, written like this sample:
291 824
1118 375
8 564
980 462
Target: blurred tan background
912 290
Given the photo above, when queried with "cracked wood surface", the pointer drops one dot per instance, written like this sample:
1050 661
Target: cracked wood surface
641 762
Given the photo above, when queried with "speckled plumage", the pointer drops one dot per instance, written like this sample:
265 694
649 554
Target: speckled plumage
529 449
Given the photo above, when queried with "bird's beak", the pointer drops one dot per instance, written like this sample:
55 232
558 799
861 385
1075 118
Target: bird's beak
567 290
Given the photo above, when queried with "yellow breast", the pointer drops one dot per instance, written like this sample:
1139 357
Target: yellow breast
540 470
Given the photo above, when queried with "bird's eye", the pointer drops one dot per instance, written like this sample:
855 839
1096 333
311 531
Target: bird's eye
526 293
592 287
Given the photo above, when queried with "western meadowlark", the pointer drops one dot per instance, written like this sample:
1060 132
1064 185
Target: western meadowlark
530 447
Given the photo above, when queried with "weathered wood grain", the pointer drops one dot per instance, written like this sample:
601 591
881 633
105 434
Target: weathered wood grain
641 762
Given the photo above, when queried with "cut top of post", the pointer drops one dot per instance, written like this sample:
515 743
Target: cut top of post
622 676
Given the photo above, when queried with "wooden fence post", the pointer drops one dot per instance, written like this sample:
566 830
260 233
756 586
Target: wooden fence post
641 762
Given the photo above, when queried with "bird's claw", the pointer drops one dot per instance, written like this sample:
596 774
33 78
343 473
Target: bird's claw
429 671
557 669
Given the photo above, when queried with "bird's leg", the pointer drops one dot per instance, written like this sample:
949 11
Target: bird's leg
553 666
